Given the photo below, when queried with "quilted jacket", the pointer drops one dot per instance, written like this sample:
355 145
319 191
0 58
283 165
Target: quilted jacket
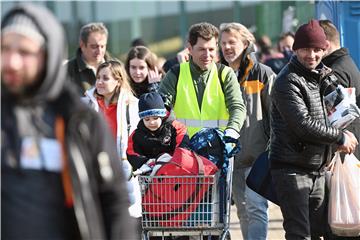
300 133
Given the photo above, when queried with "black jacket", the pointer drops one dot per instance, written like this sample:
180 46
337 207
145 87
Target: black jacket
345 70
100 200
300 132
348 75
81 74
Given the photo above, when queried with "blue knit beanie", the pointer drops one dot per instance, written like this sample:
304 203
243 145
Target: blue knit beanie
151 104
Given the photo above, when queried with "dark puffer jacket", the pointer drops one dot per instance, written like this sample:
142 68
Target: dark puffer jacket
300 133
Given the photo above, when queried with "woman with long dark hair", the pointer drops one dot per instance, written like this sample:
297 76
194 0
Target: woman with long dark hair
142 69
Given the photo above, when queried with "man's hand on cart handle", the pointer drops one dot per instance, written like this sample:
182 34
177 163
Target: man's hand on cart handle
230 139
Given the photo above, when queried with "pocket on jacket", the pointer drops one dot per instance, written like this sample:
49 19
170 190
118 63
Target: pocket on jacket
314 154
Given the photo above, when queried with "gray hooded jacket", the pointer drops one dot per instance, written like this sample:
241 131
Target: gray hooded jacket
32 196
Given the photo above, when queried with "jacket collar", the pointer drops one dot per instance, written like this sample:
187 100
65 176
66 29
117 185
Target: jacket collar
247 62
196 69
82 64
141 126
332 57
80 61
320 71
323 75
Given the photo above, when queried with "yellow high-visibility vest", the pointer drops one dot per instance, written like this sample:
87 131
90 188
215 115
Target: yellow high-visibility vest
213 111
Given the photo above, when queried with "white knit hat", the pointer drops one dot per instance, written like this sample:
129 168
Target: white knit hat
24 25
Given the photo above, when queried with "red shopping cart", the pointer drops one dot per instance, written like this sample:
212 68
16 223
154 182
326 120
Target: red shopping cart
186 205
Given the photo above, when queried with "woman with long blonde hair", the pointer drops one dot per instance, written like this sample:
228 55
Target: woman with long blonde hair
113 96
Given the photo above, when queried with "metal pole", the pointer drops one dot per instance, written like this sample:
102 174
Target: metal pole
135 22
93 11
236 11
183 21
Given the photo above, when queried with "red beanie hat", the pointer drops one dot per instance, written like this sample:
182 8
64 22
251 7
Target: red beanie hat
310 35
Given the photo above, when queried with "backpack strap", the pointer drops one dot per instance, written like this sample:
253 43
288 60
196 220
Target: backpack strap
128 119
220 68
176 70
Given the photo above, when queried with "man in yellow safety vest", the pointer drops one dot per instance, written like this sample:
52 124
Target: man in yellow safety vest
202 92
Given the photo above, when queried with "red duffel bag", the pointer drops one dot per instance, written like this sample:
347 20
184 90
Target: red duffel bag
178 188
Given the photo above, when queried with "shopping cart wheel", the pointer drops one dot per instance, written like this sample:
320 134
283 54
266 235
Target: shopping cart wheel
144 235
226 235
211 238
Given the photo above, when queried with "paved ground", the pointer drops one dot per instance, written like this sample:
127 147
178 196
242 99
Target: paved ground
275 231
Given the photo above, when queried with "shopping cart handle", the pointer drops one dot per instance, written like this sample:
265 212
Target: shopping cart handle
137 173
142 170
231 148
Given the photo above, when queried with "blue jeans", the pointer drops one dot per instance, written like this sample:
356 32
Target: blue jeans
252 209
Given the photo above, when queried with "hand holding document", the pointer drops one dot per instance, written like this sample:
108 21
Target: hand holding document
341 107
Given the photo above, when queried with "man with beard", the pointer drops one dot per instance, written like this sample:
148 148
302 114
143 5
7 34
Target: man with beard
61 178
301 136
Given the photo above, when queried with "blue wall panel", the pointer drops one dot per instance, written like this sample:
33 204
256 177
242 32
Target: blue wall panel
346 16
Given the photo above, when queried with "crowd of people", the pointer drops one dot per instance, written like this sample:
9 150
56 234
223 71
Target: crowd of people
73 132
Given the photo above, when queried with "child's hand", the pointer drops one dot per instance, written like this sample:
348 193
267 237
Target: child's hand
151 162
183 56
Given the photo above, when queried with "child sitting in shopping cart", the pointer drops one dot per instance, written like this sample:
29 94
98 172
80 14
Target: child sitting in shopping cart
157 133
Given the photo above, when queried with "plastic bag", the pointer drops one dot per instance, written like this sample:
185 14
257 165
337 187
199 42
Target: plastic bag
344 199
133 190
329 170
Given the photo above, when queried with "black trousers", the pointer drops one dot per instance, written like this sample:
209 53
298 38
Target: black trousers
302 203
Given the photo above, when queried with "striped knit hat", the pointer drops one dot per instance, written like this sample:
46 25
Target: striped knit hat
22 24
151 104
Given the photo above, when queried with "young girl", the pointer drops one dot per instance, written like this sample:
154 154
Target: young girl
112 96
141 67
156 133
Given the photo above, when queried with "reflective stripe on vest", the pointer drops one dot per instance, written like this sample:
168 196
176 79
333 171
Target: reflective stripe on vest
213 109
203 123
